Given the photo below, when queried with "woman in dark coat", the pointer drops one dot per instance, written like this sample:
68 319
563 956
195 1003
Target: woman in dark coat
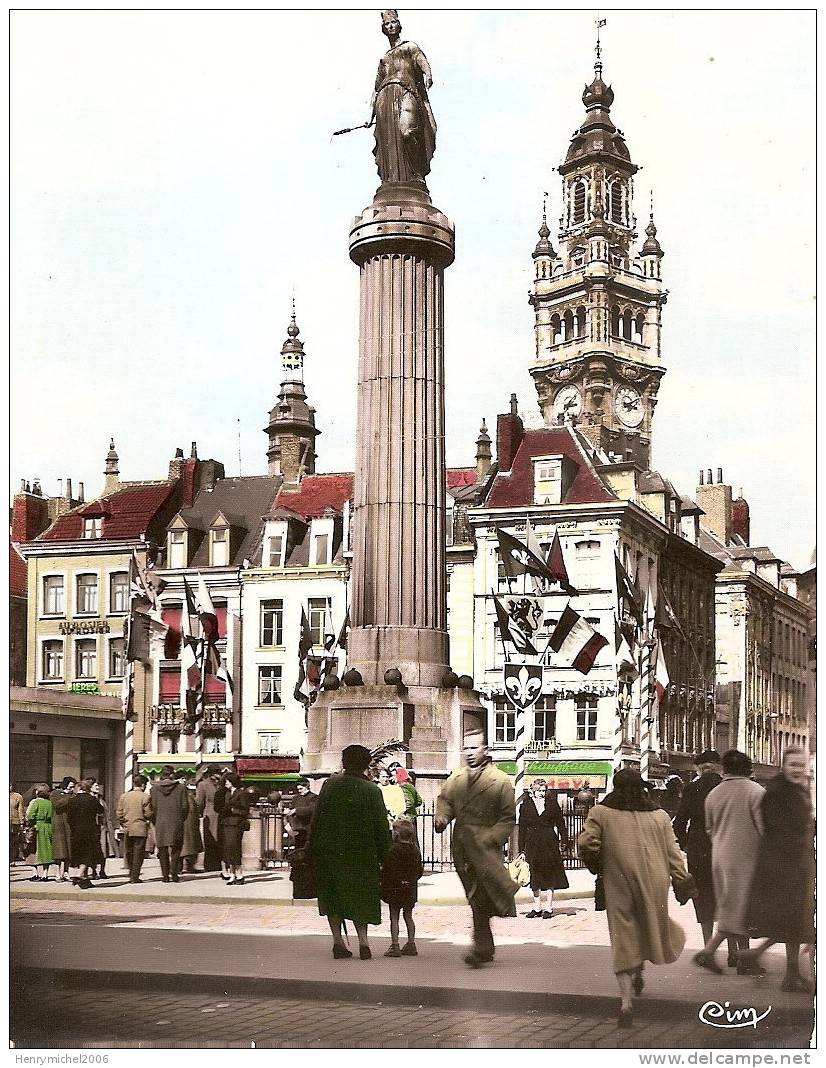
781 903
540 820
235 820
84 811
349 840
61 835
300 815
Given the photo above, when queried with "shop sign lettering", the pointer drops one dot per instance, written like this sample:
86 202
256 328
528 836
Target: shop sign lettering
85 626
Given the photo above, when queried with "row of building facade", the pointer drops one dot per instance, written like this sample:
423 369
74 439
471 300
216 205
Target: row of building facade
274 548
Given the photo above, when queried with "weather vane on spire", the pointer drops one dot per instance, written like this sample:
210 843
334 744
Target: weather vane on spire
599 24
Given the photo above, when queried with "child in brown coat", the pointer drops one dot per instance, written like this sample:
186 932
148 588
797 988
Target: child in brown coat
400 875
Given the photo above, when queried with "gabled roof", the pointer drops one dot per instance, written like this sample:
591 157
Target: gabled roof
242 501
459 477
126 514
317 495
515 488
18 575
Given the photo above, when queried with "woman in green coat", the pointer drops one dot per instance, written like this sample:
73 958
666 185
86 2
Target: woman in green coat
41 813
349 840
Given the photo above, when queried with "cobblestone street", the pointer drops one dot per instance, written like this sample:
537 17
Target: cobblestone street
111 1018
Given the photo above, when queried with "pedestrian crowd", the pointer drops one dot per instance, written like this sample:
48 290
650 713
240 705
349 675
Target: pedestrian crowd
744 855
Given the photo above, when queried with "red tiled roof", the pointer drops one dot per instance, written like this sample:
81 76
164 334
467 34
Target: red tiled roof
317 494
515 489
126 514
18 576
457 477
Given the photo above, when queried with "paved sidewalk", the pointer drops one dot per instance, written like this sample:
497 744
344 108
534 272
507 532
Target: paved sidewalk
563 964
271 887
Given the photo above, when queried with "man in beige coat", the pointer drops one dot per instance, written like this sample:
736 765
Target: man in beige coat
134 813
480 798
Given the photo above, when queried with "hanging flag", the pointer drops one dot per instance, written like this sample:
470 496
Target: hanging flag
342 634
523 685
305 642
576 641
329 630
127 691
518 559
298 692
206 612
624 657
661 678
518 620
665 615
556 566
191 648
625 591
215 665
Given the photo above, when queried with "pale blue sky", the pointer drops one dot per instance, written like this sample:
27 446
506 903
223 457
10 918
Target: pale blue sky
174 177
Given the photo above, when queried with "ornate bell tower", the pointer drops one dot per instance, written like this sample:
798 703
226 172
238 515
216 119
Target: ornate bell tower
598 302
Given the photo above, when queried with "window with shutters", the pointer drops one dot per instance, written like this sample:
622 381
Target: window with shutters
272 622
53 595
52 660
269 685
87 594
86 658
118 592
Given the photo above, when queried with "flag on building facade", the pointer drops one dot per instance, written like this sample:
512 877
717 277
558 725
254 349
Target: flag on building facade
517 558
341 641
661 677
305 641
556 566
665 615
575 641
191 649
206 612
518 619
626 664
625 591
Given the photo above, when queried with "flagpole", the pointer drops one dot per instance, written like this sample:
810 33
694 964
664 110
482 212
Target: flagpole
200 710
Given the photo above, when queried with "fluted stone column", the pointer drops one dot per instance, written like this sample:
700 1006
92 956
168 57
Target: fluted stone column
402 245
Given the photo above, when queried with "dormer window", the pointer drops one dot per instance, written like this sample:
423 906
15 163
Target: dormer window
219 547
547 475
176 548
93 527
321 543
275 551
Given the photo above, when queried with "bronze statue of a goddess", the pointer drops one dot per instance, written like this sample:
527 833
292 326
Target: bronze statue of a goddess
405 127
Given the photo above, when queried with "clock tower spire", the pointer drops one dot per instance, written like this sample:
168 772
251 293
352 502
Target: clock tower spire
597 301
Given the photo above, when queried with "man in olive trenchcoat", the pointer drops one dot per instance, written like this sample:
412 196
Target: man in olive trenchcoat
481 800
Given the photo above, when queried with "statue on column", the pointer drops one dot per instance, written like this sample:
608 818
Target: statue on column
405 127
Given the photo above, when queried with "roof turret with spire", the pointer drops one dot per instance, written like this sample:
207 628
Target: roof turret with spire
111 470
292 430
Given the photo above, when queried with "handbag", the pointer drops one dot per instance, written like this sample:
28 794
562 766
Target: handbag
520 872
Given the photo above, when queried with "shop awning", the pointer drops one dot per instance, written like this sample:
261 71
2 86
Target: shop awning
559 767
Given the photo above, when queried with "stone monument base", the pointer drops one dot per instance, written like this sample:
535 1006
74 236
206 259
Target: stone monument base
429 720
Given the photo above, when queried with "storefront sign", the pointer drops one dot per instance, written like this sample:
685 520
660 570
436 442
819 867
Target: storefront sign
84 687
85 626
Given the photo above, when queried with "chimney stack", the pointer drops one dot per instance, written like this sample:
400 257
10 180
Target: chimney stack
715 500
36 490
701 476
741 519
509 434
69 490
193 454
29 514
80 495
60 487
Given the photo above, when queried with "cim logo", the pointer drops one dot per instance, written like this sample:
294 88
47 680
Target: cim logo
716 1015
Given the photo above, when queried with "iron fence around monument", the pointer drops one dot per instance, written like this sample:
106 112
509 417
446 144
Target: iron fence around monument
275 845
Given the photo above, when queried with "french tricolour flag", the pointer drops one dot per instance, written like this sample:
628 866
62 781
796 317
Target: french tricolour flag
576 641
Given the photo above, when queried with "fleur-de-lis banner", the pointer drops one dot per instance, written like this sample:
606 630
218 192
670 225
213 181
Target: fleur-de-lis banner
523 685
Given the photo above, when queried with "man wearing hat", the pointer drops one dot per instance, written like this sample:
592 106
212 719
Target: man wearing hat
690 829
479 797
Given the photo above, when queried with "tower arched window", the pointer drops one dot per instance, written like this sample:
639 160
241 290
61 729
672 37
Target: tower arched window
617 202
616 329
569 325
556 330
639 323
580 322
627 324
579 194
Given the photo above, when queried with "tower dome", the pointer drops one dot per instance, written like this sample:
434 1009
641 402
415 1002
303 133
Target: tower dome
597 137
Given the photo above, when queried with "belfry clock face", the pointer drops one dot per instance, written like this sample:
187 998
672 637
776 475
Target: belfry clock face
567 404
628 406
